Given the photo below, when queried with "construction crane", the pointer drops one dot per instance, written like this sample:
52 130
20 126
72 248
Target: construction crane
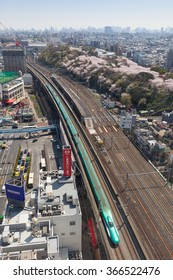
3 26
14 37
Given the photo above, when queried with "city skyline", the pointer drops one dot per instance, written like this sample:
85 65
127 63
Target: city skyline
82 14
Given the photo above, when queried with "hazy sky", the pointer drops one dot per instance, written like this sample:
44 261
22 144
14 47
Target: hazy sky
40 14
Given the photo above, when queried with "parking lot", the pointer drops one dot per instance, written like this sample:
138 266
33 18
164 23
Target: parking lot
24 155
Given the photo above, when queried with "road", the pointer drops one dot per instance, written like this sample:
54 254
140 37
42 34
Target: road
7 159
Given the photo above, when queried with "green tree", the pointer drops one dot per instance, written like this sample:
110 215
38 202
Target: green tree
144 77
158 69
93 80
142 103
168 75
126 99
137 91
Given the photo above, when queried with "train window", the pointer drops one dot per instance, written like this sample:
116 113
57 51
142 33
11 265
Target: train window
110 224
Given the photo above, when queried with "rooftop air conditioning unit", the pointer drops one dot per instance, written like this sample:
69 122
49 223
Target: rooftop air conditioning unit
59 207
69 198
50 196
50 212
44 213
75 201
49 207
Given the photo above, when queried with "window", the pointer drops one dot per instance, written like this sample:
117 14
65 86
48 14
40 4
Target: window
62 233
72 223
72 233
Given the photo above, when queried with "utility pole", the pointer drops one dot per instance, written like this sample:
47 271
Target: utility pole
138 174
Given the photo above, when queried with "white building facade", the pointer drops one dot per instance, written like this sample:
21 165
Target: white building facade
125 122
59 202
12 91
48 227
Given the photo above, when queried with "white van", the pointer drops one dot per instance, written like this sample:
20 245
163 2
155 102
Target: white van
3 189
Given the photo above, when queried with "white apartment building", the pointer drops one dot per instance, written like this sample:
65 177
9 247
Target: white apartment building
58 200
127 121
12 91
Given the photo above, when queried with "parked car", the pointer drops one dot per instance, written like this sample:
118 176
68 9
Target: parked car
26 164
18 167
3 189
53 140
23 157
17 173
22 167
14 126
27 159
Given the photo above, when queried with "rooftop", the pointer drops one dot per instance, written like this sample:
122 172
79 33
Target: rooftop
60 193
26 235
6 77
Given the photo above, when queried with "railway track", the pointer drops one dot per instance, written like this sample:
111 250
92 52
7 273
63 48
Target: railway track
153 199
120 255
163 227
151 218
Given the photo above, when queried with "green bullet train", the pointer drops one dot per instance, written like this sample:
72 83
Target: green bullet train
100 197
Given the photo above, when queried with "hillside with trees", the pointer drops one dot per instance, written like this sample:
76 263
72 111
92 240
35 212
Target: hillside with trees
124 80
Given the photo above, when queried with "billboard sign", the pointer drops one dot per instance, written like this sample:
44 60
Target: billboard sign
15 192
67 161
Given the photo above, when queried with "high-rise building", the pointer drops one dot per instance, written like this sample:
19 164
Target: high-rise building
14 59
169 60
108 30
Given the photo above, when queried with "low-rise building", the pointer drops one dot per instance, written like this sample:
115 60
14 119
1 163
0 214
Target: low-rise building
28 80
25 114
12 87
171 156
142 132
58 201
127 121
167 117
45 223
110 104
